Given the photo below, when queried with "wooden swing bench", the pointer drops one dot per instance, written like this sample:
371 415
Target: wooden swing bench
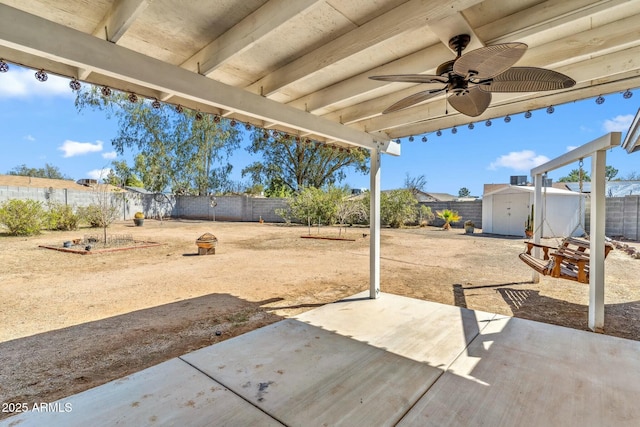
569 261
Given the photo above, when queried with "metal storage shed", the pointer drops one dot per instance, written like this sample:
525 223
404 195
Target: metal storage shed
504 211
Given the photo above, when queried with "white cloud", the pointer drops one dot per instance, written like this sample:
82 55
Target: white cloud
21 83
524 160
73 148
618 123
109 155
99 174
571 147
29 137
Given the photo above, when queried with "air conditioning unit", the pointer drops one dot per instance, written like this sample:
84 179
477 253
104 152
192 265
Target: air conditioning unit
518 180
87 182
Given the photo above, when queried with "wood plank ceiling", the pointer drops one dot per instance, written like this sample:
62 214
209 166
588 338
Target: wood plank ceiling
311 59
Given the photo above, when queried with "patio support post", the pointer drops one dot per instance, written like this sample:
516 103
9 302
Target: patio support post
537 220
597 235
374 225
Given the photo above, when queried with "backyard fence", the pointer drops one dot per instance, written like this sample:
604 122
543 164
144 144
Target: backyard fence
622 213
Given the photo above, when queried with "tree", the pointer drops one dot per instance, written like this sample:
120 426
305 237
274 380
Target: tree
610 172
186 151
464 192
49 171
415 184
574 176
293 163
632 176
122 175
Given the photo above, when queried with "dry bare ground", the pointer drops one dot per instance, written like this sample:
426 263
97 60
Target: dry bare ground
71 322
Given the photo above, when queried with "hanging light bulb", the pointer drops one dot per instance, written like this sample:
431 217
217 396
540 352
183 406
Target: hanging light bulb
41 76
198 116
424 139
247 126
411 138
454 130
233 123
471 126
439 133
156 104
527 115
74 84
488 123
550 109
600 100
216 119
179 108
507 118
626 95
133 98
105 90
4 67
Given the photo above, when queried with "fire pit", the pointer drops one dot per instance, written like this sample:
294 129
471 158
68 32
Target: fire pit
206 244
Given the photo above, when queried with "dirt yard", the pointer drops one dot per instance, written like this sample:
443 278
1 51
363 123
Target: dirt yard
71 322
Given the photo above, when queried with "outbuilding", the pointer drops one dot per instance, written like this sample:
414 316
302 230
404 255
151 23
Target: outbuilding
505 211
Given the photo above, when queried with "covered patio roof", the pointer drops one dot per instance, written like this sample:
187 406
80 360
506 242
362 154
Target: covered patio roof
302 67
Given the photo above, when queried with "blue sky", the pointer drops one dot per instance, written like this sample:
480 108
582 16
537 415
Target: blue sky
41 125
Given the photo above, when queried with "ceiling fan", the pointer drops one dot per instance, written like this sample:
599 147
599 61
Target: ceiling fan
469 79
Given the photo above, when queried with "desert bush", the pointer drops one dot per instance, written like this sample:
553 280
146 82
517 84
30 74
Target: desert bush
61 217
22 217
397 207
92 215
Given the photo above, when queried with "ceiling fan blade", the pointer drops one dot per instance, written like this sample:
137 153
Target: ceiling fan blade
472 103
489 61
410 100
528 79
411 78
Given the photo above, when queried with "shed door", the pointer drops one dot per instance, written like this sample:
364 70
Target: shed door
510 213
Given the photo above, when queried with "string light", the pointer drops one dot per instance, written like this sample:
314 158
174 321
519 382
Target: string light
487 123
626 95
133 98
41 76
216 118
600 100
507 119
179 108
199 116
233 123
156 104
439 133
411 138
424 139
454 130
247 126
74 84
471 126
106 91
550 109
527 115
4 67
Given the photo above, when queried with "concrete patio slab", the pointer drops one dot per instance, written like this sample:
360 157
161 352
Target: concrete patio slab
523 373
171 393
390 361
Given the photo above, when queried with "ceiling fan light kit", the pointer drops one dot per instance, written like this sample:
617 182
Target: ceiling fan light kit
470 79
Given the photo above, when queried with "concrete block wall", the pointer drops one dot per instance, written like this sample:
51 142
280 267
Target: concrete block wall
630 221
467 210
229 208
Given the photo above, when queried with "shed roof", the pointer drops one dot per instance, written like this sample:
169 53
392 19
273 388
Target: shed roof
510 189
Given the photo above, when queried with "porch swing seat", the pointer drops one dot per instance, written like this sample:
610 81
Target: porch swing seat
568 261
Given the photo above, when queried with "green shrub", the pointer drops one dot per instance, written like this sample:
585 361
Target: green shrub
22 217
61 217
92 215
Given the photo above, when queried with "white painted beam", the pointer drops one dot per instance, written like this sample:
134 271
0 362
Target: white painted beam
605 142
374 225
408 15
246 34
121 16
631 142
538 220
42 38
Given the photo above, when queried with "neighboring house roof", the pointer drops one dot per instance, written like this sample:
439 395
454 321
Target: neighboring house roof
57 184
490 188
423 196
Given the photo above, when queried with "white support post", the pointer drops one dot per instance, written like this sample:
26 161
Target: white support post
596 253
537 220
374 225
